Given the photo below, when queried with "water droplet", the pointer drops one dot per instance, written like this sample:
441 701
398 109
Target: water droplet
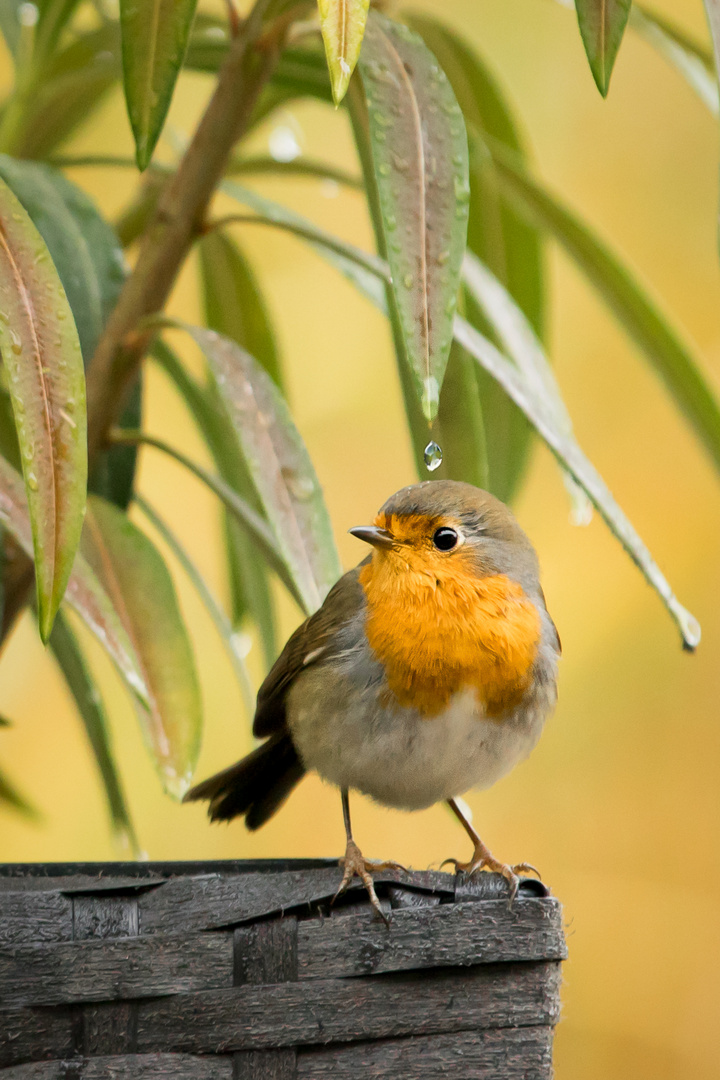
433 456
32 482
407 281
283 144
384 169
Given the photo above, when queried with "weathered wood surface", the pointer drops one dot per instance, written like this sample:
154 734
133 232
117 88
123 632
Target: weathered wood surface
115 970
341 1010
502 1054
453 935
128 1067
247 972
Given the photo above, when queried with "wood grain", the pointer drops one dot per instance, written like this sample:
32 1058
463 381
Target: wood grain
129 1067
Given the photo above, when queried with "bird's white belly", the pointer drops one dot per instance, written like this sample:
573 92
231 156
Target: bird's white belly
404 760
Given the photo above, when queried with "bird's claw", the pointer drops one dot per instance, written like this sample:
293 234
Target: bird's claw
354 864
483 860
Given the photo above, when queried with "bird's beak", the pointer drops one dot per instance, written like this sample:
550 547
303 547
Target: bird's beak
371 534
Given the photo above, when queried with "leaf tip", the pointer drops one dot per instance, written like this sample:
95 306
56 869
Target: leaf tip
430 398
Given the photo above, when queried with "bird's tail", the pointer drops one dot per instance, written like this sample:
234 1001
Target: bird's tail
257 786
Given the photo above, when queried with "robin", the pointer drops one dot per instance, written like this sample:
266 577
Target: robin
430 669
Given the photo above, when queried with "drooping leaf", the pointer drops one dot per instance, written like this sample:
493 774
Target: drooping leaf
688 57
88 699
279 465
571 457
137 581
520 343
154 40
83 246
11 796
602 25
75 82
420 155
343 24
84 593
507 243
228 635
249 585
643 320
234 305
42 356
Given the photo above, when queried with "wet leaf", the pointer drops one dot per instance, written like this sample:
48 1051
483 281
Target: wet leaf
139 585
42 356
420 157
571 457
154 40
86 693
602 25
641 317
343 24
278 463
84 593
507 243
249 585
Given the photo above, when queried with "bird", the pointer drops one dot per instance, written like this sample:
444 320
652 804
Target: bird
429 670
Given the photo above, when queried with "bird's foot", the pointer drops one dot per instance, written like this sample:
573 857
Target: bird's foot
354 864
483 859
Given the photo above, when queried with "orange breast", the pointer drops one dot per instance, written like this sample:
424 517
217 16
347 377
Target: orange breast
437 633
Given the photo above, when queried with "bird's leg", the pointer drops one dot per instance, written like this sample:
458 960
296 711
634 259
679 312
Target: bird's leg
355 865
483 859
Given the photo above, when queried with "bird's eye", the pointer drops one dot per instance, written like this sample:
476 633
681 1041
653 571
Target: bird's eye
445 539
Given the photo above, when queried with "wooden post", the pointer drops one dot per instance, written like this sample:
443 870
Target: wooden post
244 971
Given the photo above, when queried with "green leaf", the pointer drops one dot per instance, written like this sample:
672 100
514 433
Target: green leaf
12 797
84 593
518 339
10 24
688 57
250 589
507 244
234 305
137 581
343 25
636 311
571 457
88 699
83 246
279 465
41 352
228 636
154 40
602 25
74 83
419 149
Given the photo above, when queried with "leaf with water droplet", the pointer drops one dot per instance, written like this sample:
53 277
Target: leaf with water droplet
154 41
343 24
422 179
139 585
279 464
42 375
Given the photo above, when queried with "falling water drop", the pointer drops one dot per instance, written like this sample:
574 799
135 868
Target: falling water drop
433 456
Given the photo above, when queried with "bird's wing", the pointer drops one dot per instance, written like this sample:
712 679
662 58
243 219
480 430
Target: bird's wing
311 642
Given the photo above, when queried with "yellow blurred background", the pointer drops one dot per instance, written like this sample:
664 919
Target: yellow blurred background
620 803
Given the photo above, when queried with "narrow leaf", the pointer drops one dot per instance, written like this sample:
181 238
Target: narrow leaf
136 579
671 357
84 593
41 352
279 465
88 699
228 635
249 585
11 796
602 25
420 155
343 25
518 339
154 40
688 57
509 245
571 457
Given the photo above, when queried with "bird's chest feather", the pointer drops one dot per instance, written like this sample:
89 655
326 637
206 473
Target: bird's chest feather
437 634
